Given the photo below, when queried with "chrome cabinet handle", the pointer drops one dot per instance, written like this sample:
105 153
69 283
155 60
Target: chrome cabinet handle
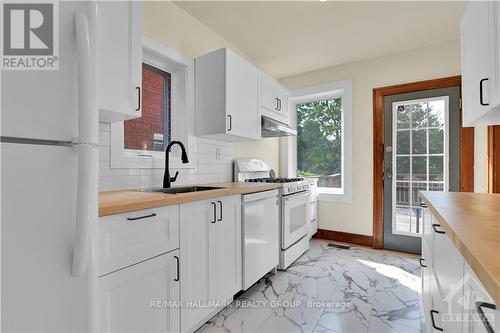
177 265
230 123
433 322
423 205
215 212
481 92
484 319
420 261
141 217
220 217
138 89
434 226
276 106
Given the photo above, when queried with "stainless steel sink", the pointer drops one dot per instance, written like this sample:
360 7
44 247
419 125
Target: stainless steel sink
181 189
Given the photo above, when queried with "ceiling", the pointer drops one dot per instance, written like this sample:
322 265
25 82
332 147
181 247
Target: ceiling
286 38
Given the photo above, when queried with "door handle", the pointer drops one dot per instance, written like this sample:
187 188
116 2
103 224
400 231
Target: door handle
214 205
177 267
388 174
138 89
230 122
481 92
484 319
423 205
433 322
220 217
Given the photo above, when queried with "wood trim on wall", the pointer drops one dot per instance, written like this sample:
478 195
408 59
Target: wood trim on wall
467 159
467 147
344 237
494 159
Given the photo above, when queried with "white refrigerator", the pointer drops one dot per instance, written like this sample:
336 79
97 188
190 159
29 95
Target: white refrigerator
49 170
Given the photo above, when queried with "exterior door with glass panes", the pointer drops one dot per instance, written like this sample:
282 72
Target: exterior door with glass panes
422 153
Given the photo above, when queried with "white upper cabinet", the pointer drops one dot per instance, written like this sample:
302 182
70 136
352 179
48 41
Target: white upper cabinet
480 42
273 99
120 64
226 97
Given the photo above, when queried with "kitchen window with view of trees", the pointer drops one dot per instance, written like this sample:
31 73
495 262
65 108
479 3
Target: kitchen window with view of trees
320 142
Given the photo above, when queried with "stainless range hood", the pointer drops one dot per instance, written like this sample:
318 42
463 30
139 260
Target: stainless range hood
273 128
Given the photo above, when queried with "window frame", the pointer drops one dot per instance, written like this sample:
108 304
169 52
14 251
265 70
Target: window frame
343 90
181 71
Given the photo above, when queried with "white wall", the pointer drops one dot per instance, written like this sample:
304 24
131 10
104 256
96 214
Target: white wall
417 65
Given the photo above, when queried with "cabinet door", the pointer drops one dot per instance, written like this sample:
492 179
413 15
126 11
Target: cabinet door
494 42
282 95
120 67
242 98
196 219
475 61
475 293
135 299
225 249
268 99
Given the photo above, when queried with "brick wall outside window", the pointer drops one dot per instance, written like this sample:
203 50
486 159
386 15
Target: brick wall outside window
139 133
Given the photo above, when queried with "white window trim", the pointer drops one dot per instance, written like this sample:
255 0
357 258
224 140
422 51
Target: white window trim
288 147
182 117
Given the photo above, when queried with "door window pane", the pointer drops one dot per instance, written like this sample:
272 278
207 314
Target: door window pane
419 141
403 168
436 113
436 141
436 171
419 168
403 142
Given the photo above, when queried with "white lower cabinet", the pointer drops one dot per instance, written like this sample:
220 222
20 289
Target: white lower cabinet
135 299
452 295
210 245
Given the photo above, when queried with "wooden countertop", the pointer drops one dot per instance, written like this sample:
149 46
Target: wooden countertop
472 221
116 202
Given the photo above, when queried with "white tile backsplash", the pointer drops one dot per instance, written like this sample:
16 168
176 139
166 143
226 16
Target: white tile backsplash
209 166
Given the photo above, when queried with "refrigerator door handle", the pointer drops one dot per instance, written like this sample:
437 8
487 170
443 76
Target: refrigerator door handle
86 145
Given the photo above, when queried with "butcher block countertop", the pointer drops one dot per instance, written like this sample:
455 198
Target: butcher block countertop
123 201
472 222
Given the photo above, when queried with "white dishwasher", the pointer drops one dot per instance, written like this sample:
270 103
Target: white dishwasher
260 218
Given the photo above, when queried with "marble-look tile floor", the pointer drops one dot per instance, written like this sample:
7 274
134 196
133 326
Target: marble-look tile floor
327 290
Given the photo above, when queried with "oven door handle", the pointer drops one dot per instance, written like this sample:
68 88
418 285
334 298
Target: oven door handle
296 196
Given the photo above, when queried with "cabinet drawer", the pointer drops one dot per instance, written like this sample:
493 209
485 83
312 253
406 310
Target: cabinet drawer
126 239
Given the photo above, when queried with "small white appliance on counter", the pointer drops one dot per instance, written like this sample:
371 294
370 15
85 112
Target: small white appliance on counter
293 200
49 184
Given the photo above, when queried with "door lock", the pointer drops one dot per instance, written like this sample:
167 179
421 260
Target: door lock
388 149
388 174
